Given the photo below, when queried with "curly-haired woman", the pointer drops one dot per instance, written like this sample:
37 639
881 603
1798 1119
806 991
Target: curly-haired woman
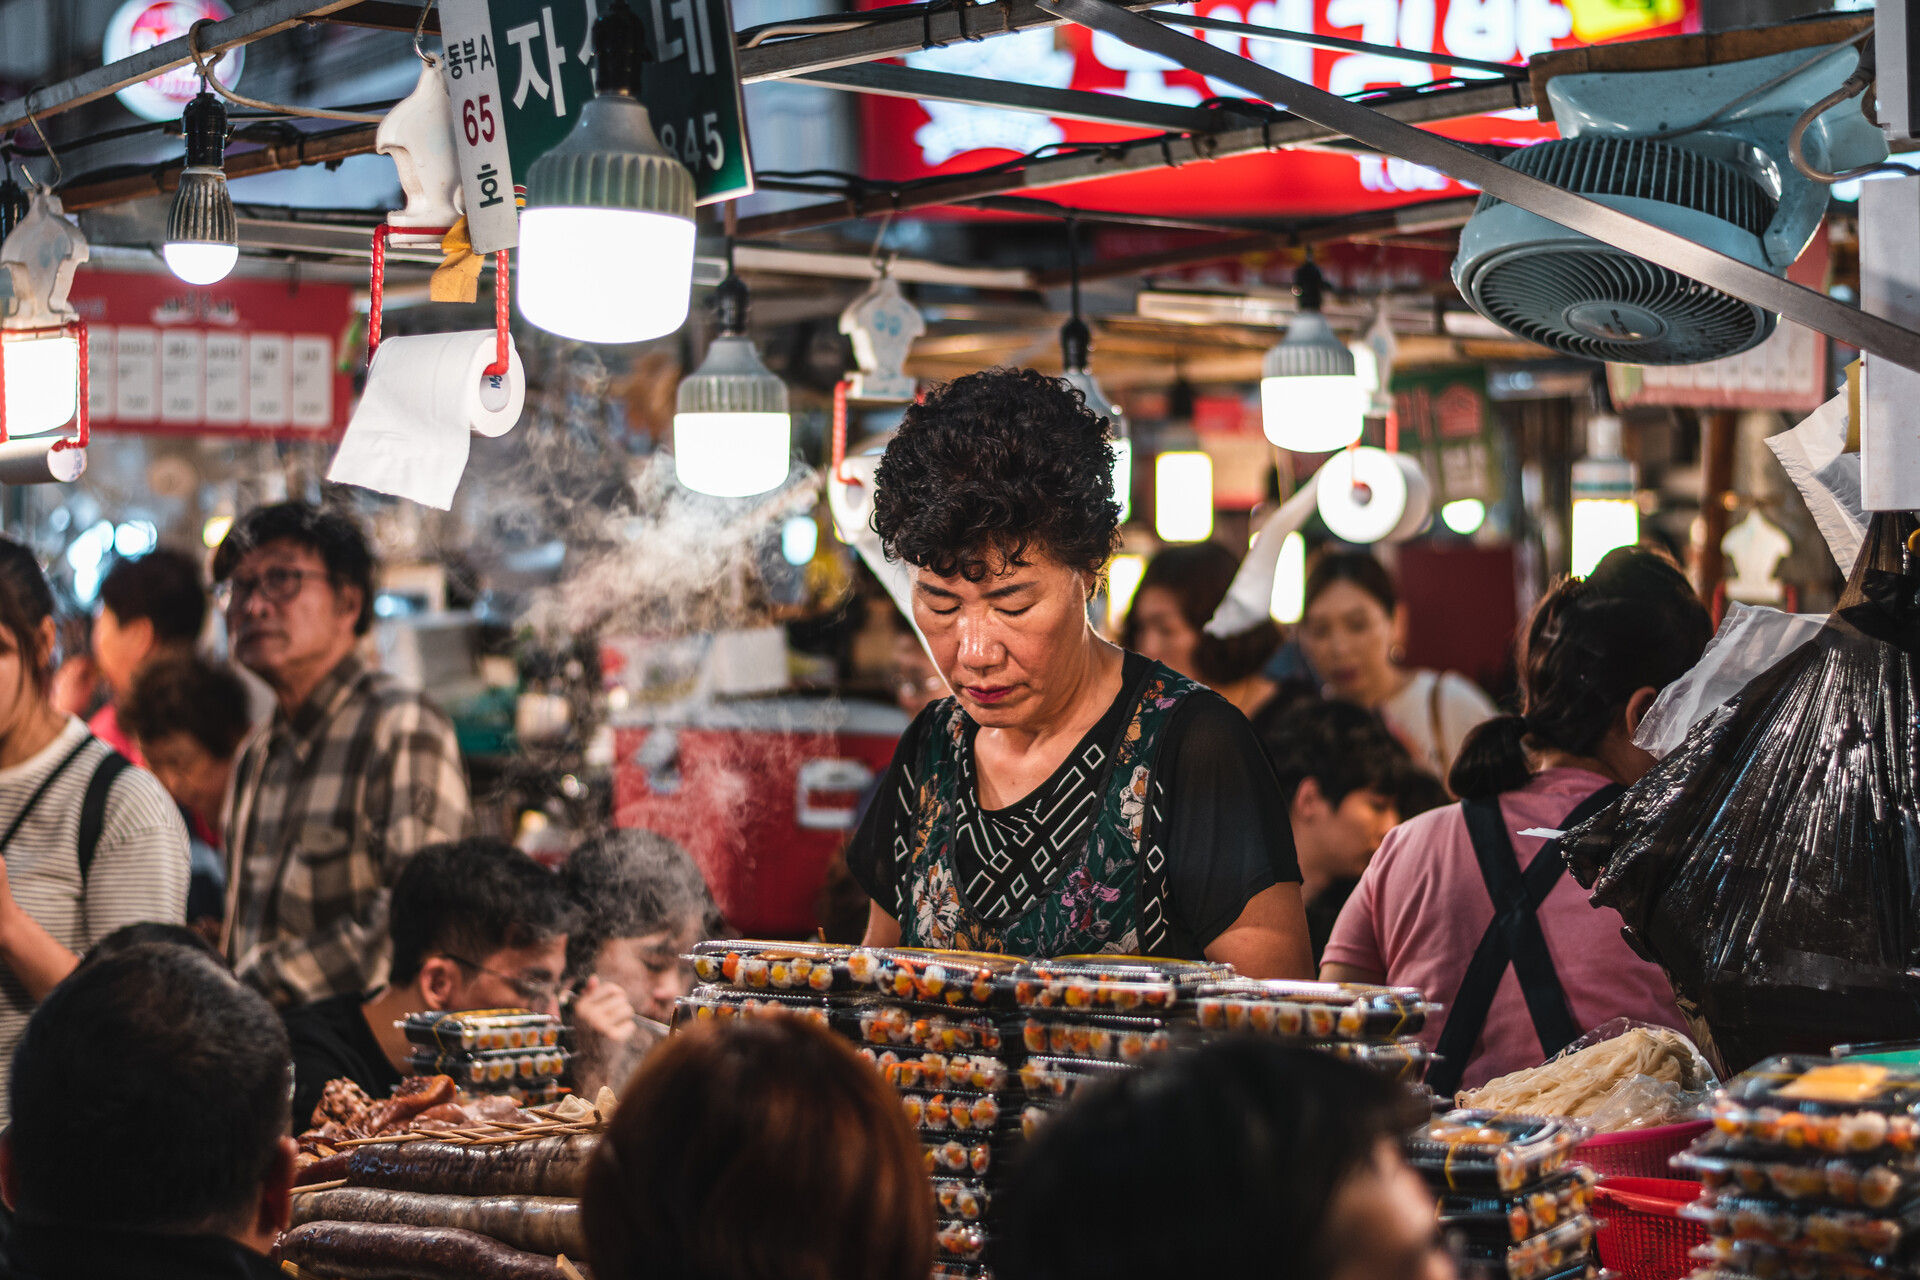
1071 797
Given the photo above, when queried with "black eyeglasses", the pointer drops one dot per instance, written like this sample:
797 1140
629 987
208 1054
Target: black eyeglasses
277 585
535 993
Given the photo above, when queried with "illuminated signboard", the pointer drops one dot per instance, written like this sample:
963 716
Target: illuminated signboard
138 25
907 139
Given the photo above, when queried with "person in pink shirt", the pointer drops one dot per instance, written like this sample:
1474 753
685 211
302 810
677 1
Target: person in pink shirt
151 607
1522 979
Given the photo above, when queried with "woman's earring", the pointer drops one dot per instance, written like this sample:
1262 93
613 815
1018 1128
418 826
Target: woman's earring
1397 654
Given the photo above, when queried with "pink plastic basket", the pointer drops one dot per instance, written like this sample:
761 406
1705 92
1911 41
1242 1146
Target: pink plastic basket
1642 1235
1639 1153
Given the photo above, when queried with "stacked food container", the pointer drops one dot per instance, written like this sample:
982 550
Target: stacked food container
504 1051
1378 1026
1512 1201
1810 1171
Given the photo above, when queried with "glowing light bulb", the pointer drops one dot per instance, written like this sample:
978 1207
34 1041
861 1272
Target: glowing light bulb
1290 581
1600 525
1123 579
605 275
1183 496
214 531
43 383
799 539
200 263
202 236
1464 515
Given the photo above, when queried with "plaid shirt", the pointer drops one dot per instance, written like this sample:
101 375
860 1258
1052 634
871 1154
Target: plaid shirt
327 806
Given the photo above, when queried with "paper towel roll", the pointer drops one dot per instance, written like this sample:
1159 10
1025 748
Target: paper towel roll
36 460
425 396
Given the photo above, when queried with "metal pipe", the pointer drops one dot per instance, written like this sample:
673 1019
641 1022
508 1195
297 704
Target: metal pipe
1603 223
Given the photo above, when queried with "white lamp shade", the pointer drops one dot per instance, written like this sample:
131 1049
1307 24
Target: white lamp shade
200 263
43 383
1464 515
605 275
1363 494
1290 581
1600 525
1123 476
732 455
1183 496
1316 413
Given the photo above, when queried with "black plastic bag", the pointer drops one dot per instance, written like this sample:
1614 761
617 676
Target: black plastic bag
1771 864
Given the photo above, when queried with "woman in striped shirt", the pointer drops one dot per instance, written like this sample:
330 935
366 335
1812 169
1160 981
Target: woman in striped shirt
87 843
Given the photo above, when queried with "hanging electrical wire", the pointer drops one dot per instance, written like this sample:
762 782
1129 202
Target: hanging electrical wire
206 74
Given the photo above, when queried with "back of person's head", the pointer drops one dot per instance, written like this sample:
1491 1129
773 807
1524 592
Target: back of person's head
468 899
758 1150
1357 568
628 884
329 534
26 602
1343 747
190 694
1416 791
149 933
153 1031
1198 577
1248 1141
164 588
1633 623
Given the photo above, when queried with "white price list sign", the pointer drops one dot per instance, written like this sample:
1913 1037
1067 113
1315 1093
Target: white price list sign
479 126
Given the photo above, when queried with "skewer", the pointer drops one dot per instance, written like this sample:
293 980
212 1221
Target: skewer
320 1186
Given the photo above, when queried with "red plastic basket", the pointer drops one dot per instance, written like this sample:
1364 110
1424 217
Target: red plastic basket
1639 1153
1642 1235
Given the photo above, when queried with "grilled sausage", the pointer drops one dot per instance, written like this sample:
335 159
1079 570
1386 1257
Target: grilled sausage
537 1167
379 1250
538 1224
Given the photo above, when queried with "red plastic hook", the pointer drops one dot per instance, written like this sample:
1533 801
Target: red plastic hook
379 284
78 328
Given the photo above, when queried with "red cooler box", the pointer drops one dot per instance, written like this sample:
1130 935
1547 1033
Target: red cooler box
761 792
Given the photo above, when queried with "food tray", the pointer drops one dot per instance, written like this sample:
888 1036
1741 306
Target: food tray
1746 1260
490 1071
1403 1060
1115 984
1800 1103
960 1271
953 1157
1478 1150
964 1198
1316 1010
944 1112
480 1030
928 1068
885 1023
1800 1228
1496 1218
1096 1038
959 1240
717 1004
774 966
1810 1177
1049 1080
1539 1255
973 978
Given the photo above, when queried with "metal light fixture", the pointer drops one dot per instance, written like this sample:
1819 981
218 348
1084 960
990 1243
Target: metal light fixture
1076 346
43 344
1312 399
1605 514
606 239
732 434
203 241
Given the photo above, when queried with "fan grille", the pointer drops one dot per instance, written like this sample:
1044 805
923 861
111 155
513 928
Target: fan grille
1610 166
1588 299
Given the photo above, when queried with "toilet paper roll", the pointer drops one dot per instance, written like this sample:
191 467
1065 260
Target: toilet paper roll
425 396
36 460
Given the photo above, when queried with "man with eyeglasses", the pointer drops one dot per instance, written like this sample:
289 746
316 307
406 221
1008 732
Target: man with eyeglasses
353 774
475 925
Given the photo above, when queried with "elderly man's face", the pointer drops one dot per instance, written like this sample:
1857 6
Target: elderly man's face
284 612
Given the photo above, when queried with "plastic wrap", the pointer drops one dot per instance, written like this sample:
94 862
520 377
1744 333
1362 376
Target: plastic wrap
1316 1010
777 966
1491 1218
1841 1181
1480 1151
1751 639
1771 864
1114 984
970 978
1117 1038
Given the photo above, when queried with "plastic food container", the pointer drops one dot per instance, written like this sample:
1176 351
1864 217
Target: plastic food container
1799 1228
930 1069
884 1023
963 1198
480 1030
1116 984
1482 1151
961 1113
1509 1219
973 978
1540 1255
1403 1060
1314 1010
1843 1107
1811 1177
1104 1039
954 1157
959 1241
774 966
491 1071
713 1003
1046 1079
1730 1259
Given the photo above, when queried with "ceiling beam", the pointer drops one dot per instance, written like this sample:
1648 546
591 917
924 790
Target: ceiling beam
890 81
1137 156
325 147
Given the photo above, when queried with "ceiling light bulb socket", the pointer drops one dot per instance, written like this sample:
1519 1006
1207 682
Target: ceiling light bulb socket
204 123
730 306
619 50
731 379
1309 285
611 160
202 211
1076 344
1309 349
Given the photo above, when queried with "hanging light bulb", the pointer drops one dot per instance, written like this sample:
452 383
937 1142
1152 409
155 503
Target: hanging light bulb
1605 514
1311 398
1183 496
41 251
1289 602
732 434
606 239
202 240
1076 345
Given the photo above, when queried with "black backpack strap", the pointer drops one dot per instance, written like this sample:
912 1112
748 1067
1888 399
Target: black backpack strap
93 809
1514 937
